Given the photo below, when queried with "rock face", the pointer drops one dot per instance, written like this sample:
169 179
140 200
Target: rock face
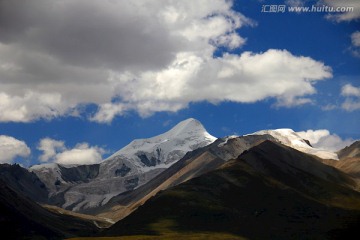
88 186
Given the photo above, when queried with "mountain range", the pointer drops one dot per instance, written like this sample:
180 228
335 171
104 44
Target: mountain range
185 182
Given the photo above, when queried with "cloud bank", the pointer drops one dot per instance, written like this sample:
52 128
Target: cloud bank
143 56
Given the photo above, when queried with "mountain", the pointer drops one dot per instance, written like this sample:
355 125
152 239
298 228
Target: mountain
24 182
350 160
22 218
200 161
270 191
87 186
186 182
165 148
352 151
193 164
290 138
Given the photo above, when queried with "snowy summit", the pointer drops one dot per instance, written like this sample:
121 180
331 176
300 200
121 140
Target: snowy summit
165 149
291 139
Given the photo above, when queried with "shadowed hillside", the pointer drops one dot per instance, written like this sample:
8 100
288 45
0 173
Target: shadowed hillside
23 219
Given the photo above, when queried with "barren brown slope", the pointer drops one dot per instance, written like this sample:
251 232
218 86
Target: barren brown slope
350 160
352 151
269 192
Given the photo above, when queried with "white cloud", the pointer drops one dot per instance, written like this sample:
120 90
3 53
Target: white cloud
30 106
352 97
10 148
50 148
351 104
107 112
341 5
324 140
82 153
355 40
246 78
350 90
146 56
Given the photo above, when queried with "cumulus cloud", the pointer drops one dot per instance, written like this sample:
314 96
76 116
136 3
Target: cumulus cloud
56 151
349 9
50 148
323 139
30 105
10 148
246 78
80 154
350 91
352 97
108 111
145 56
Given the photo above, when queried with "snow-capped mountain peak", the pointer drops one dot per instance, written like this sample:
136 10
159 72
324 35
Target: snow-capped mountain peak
290 138
185 136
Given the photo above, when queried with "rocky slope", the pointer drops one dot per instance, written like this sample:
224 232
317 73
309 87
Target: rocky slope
350 160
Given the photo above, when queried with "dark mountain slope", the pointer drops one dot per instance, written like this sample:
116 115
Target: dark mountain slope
300 171
21 218
24 182
269 192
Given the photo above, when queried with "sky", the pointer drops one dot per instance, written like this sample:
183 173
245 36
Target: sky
81 79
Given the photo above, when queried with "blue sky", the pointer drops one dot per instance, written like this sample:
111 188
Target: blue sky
81 79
